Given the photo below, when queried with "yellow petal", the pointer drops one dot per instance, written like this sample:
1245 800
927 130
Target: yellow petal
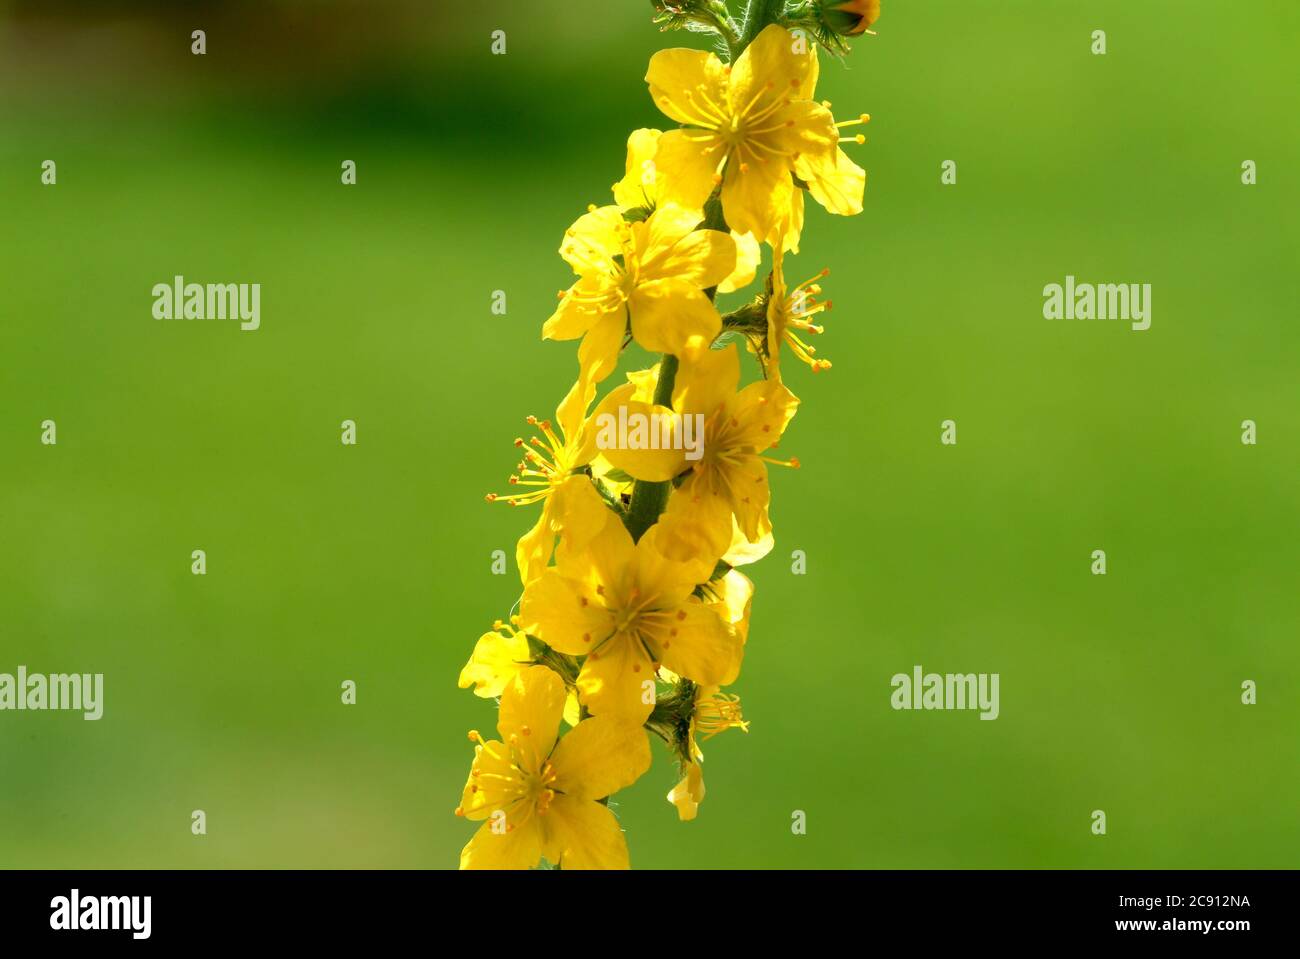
532 705
491 783
598 354
604 564
731 597
671 315
642 439
760 413
495 661
689 793
749 253
805 128
694 642
576 312
688 85
600 756
836 184
593 240
533 551
703 258
572 708
757 198
694 528
612 680
581 834
770 70
785 235
640 184
809 88
662 230
561 613
706 379
662 582
578 513
742 552
686 163
572 410
745 479
518 848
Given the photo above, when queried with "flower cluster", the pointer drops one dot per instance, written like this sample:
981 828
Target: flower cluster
635 614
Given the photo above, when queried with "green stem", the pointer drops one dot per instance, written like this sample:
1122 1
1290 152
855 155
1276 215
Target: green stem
758 15
649 499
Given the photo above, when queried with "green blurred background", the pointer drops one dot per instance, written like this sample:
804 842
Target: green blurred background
372 563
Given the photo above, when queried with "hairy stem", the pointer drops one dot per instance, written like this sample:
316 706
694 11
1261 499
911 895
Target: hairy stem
759 14
649 499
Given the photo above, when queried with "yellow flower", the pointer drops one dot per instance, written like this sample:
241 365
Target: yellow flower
651 273
546 474
539 796
499 656
788 314
745 126
642 187
714 712
628 609
730 478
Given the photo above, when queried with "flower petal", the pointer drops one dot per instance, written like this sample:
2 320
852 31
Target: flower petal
495 661
593 240
686 163
598 354
612 680
657 431
749 253
770 69
518 848
491 781
688 85
640 184
581 834
532 705
757 198
703 258
560 612
706 379
694 642
689 793
836 184
670 316
600 756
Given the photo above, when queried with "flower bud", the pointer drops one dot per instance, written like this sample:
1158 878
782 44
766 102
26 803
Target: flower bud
849 18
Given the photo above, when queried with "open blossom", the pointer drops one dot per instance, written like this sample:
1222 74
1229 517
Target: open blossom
500 655
539 792
642 187
745 126
651 274
546 475
628 609
789 316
